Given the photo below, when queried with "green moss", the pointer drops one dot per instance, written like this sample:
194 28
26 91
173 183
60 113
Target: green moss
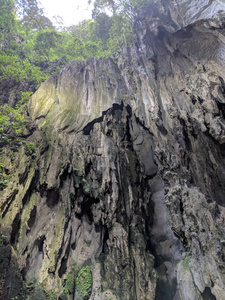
25 97
185 261
25 216
70 282
30 148
84 283
4 177
12 123
38 291
86 186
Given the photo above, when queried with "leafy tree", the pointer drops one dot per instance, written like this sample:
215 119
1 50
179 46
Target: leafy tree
73 47
129 8
84 30
20 70
32 15
31 49
6 16
45 41
12 123
101 29
7 23
92 49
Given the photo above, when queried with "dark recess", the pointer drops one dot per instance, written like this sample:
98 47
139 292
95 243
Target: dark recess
165 291
15 229
52 198
40 243
32 218
105 239
87 129
207 294
63 267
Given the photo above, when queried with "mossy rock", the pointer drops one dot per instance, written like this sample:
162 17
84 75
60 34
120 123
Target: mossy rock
83 284
38 295
70 282
86 187
186 260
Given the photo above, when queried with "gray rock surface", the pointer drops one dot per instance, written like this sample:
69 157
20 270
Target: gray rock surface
128 177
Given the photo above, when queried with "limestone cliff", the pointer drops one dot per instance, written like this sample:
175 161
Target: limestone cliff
124 198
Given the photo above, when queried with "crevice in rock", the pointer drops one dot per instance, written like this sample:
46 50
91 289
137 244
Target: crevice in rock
116 106
23 177
162 129
8 202
129 114
52 198
88 168
141 123
207 294
86 207
200 100
31 188
40 243
221 107
15 229
105 239
185 135
63 267
64 259
32 218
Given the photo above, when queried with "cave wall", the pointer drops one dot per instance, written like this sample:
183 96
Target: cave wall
128 175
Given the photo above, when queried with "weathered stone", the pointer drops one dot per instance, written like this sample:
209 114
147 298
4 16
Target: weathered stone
128 176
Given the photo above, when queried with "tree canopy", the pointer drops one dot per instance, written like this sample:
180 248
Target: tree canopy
31 48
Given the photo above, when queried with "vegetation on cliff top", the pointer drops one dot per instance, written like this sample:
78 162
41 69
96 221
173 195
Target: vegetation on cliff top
32 49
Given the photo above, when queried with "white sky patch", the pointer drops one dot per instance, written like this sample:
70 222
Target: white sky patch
72 11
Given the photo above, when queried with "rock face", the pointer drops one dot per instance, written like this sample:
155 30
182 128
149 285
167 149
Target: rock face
124 198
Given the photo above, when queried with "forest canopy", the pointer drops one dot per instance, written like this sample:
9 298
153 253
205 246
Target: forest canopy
32 48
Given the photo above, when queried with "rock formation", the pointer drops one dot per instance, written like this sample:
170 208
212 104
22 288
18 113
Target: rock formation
125 196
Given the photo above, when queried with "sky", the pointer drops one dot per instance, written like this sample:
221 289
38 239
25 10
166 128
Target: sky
72 11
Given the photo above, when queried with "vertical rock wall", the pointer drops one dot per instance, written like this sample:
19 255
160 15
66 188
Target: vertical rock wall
124 198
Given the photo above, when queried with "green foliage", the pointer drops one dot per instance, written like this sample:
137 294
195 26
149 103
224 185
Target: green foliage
84 283
12 123
32 49
46 41
4 180
13 67
30 148
186 260
86 186
6 16
31 15
70 283
25 96
7 21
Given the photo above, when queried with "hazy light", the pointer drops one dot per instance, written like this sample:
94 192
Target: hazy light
71 11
